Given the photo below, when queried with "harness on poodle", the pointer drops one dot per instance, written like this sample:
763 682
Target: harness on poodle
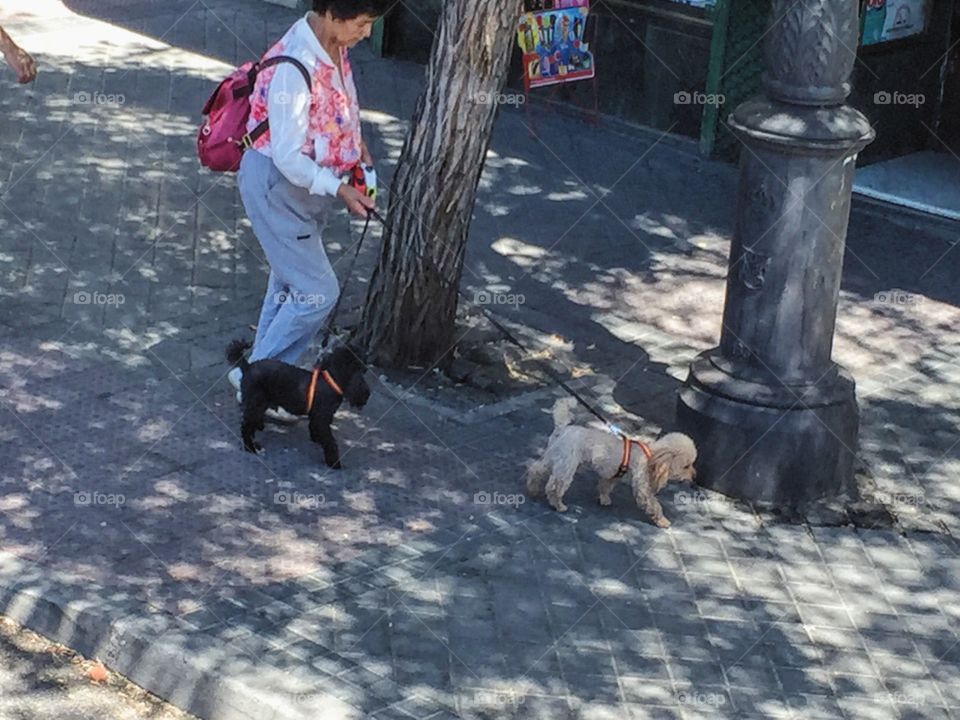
628 444
312 388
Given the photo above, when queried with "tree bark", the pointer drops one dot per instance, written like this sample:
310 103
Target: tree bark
410 313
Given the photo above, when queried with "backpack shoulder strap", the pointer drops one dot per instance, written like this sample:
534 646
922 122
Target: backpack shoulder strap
247 90
255 134
276 60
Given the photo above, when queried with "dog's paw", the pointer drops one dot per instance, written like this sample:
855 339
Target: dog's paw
604 500
661 522
336 465
560 507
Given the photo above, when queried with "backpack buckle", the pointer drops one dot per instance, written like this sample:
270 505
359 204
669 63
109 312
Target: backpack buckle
246 142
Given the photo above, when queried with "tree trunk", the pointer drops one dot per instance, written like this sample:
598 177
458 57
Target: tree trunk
411 306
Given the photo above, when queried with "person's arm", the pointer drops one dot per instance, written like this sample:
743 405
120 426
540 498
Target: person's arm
17 58
288 108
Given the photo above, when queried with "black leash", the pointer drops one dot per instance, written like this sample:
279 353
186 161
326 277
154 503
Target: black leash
343 291
515 341
543 365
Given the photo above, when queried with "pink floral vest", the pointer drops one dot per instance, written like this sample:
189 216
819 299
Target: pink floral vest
333 137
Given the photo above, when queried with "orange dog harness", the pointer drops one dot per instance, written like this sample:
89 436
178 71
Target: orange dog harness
312 388
628 451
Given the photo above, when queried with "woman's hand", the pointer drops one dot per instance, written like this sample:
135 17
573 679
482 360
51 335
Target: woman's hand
23 64
18 59
355 201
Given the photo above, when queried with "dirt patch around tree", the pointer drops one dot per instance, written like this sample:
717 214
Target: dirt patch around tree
487 368
44 680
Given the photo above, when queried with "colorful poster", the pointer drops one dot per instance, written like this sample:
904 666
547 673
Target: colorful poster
534 5
886 20
553 44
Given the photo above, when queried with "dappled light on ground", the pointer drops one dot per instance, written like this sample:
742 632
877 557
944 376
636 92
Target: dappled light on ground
421 568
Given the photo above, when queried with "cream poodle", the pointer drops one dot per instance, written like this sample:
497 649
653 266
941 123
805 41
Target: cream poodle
649 467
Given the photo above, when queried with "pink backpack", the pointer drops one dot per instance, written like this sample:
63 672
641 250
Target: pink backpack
223 135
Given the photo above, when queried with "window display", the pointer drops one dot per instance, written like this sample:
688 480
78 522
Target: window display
553 42
886 20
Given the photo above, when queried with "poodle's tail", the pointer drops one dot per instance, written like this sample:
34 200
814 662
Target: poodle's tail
563 413
235 354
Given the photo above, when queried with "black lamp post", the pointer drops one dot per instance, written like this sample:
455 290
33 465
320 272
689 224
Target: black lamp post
774 418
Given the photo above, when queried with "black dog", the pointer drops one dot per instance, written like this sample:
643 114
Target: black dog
271 383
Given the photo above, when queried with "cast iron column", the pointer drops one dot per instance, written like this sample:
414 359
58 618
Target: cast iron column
774 418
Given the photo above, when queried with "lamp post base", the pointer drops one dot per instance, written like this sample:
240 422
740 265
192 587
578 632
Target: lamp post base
768 442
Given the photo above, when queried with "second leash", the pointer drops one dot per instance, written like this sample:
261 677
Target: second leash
513 340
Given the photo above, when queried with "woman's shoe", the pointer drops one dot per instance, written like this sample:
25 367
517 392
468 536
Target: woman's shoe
281 416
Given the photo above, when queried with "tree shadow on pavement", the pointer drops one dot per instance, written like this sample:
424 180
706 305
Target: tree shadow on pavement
398 580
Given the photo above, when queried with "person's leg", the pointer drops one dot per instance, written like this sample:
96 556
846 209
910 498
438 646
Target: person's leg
253 180
300 317
272 302
285 220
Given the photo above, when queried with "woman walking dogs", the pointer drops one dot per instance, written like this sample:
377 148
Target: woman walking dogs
293 175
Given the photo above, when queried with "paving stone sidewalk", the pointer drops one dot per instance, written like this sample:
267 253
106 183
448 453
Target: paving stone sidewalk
419 582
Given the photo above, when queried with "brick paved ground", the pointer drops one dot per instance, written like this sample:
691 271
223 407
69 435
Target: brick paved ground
393 588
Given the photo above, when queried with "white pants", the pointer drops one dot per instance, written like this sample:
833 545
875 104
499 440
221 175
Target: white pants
303 287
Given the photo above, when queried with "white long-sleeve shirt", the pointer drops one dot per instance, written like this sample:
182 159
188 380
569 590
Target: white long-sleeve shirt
314 136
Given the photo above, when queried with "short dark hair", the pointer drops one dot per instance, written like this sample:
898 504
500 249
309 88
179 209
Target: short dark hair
349 9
